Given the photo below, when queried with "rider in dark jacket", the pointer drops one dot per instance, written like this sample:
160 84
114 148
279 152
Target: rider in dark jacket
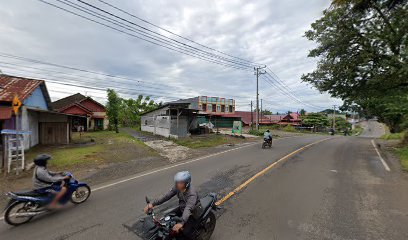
188 199
43 178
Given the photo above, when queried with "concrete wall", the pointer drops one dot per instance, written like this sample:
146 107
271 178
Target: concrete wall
159 125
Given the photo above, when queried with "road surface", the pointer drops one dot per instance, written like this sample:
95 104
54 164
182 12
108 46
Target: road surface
335 189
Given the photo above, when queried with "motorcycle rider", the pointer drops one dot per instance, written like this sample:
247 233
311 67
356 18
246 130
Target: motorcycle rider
43 178
188 198
268 135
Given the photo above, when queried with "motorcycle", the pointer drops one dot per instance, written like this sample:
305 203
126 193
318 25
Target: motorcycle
25 205
154 228
267 143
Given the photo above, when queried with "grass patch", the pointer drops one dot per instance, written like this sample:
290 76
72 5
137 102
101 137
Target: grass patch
357 131
93 148
393 136
208 140
402 153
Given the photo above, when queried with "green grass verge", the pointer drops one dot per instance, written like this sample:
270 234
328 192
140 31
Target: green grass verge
357 131
402 153
93 148
393 136
207 140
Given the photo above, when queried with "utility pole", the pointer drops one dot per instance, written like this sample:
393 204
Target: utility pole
252 118
261 109
258 73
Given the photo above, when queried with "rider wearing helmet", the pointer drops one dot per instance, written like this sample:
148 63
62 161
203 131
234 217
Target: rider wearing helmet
43 178
188 198
268 135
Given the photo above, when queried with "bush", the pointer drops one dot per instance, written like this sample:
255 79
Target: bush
289 128
256 132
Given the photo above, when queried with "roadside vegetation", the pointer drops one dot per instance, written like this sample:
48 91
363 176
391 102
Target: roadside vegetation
208 140
357 131
402 153
393 136
127 112
93 148
361 47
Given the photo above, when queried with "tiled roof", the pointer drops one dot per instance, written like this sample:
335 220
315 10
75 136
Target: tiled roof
67 101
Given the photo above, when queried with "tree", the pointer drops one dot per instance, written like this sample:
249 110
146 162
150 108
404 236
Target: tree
113 108
315 120
266 112
362 52
131 109
302 112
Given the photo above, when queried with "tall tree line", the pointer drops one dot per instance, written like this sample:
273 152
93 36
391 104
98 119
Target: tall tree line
127 112
362 57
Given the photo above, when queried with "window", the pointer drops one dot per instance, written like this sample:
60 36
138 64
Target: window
226 109
218 108
222 108
203 99
204 107
199 107
230 108
209 107
214 108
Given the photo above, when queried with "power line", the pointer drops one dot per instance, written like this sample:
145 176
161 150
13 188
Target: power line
156 33
146 38
175 34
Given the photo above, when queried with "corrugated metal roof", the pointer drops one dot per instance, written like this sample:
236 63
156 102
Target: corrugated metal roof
22 87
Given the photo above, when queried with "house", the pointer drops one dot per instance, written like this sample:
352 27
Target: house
293 119
88 113
35 114
173 119
249 118
182 117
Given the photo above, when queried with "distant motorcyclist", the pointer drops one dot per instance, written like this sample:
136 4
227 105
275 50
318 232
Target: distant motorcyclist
188 198
268 135
43 178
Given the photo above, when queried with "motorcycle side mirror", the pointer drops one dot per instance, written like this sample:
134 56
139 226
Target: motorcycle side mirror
147 200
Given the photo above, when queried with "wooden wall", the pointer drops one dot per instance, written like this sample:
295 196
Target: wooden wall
54 133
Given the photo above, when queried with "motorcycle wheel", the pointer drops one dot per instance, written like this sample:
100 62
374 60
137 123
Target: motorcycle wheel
81 194
264 145
13 209
209 226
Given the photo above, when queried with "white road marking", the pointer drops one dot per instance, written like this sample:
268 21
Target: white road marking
379 155
170 167
333 170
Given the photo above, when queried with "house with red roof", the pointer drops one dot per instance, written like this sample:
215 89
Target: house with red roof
35 115
88 113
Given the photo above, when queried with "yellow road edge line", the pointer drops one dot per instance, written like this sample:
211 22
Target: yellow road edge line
262 172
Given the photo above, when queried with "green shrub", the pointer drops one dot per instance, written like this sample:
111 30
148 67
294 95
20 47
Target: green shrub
289 128
256 132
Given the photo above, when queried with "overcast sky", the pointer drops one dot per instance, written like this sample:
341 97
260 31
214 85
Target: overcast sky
266 31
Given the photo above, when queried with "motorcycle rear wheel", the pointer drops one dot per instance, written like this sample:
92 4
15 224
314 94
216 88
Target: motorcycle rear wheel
81 194
209 226
13 209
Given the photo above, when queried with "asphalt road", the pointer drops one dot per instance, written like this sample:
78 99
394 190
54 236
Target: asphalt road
335 189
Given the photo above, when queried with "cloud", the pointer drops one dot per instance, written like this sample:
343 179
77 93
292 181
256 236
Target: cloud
266 31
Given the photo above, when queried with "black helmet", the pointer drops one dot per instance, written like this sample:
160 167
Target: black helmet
42 159
267 130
